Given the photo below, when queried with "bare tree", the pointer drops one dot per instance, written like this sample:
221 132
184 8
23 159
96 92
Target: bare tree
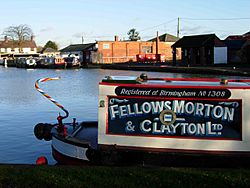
18 33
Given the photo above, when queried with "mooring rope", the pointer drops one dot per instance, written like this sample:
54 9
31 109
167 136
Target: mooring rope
47 96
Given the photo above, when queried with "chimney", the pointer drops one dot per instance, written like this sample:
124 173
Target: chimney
116 38
5 39
157 43
32 38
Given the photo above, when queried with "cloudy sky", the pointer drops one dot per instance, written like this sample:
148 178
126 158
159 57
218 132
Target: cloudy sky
68 21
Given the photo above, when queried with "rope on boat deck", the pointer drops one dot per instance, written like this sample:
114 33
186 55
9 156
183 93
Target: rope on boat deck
47 96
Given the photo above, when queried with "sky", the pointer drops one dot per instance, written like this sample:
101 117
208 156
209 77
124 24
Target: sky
69 21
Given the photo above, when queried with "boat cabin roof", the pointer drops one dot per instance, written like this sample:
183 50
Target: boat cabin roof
199 82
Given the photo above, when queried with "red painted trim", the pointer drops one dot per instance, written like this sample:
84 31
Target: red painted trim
63 159
174 86
171 98
200 79
107 112
171 150
196 79
241 121
175 137
187 79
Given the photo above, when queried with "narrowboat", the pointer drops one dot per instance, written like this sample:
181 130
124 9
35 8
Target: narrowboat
59 63
24 62
11 62
45 62
163 121
1 61
72 62
20 62
51 63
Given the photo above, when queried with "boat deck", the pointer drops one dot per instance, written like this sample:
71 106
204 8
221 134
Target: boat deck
177 82
84 134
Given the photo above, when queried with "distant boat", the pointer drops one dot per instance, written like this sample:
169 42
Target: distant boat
59 63
25 62
51 63
1 61
46 62
72 62
11 62
30 63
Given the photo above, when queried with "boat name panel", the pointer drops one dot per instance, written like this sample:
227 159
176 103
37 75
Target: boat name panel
174 117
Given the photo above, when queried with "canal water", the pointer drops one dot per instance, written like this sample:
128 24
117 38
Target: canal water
22 107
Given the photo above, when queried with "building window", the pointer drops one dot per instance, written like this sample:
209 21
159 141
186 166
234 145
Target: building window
26 50
146 49
185 52
105 46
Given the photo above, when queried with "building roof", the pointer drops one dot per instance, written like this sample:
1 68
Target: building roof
49 50
234 44
14 44
245 36
235 37
76 47
165 38
198 41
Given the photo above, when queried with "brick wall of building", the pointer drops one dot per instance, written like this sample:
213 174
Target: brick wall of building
125 51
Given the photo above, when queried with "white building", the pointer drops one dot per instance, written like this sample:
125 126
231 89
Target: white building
14 47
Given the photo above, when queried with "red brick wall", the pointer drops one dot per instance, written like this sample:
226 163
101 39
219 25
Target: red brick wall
124 51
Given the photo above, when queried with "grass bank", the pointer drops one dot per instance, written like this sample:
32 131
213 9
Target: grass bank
68 176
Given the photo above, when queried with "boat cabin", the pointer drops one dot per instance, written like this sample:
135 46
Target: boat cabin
175 115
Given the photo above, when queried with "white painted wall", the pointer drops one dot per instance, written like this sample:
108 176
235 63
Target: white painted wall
16 50
26 50
78 54
220 55
8 50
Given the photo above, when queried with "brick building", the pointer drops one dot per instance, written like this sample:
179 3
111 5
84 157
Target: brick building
119 51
